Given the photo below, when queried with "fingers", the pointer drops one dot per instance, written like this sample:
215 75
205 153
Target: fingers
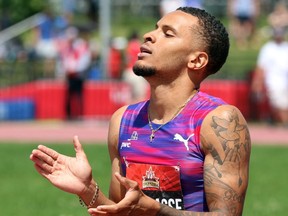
127 183
48 151
41 171
40 155
95 212
125 206
106 210
44 158
42 161
78 147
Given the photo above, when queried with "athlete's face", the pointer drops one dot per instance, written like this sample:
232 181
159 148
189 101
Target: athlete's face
168 46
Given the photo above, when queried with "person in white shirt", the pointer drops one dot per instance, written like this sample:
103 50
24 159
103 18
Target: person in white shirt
271 75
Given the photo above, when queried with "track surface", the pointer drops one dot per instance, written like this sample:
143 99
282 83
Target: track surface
92 132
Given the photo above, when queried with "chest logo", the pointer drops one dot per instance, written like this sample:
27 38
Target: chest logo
150 180
181 139
134 136
125 145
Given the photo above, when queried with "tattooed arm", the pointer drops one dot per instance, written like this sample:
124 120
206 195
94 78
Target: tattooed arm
226 142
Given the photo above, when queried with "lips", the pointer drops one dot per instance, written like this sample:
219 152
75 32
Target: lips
144 52
145 49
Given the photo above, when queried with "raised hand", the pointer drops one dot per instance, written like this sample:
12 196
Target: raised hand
135 202
70 174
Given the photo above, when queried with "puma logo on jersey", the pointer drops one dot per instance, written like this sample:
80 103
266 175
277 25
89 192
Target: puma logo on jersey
181 139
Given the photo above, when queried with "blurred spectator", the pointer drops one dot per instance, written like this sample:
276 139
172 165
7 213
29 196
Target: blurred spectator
138 84
95 71
242 15
271 76
115 60
278 18
75 60
47 33
45 36
167 6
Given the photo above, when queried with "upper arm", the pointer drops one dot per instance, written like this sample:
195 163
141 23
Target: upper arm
116 191
226 143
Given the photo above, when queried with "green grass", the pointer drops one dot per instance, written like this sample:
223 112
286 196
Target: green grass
24 192
267 191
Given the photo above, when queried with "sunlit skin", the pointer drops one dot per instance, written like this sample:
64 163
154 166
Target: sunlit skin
175 54
168 49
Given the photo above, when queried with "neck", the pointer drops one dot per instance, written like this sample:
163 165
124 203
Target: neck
166 105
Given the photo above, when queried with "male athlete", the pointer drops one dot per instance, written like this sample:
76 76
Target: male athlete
182 152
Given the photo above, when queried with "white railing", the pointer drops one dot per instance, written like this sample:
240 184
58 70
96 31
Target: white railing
20 27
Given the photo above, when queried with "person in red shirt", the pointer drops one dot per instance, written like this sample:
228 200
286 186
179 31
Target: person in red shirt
75 59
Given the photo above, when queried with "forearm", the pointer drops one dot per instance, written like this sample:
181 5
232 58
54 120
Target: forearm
149 206
168 211
93 196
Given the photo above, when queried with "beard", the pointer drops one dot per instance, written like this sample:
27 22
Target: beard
144 71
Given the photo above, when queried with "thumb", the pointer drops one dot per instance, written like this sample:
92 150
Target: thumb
127 183
78 147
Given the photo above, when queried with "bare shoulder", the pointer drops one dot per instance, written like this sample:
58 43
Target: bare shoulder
114 125
225 127
225 140
226 122
117 115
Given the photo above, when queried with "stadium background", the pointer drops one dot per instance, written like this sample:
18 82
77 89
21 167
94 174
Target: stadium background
32 106
28 92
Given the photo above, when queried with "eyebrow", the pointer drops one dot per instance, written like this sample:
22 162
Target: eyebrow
166 27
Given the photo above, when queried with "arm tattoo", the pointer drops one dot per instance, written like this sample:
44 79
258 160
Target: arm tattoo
228 132
227 160
230 196
235 143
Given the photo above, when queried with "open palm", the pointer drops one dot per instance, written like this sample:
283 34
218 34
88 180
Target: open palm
70 174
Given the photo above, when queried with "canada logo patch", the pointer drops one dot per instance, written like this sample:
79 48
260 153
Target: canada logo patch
150 180
159 182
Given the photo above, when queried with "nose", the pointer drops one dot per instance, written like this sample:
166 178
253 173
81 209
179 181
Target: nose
149 37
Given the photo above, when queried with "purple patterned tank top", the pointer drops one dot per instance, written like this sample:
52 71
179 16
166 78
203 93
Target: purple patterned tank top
177 143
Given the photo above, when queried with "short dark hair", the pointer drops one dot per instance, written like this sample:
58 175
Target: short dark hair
214 37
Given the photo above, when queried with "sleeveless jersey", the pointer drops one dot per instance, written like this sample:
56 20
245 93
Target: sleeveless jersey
177 143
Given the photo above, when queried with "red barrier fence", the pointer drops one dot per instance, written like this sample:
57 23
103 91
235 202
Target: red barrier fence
234 92
102 98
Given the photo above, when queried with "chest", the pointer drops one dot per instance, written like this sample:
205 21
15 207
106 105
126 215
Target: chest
172 145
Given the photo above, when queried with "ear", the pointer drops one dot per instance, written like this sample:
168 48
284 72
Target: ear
198 60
